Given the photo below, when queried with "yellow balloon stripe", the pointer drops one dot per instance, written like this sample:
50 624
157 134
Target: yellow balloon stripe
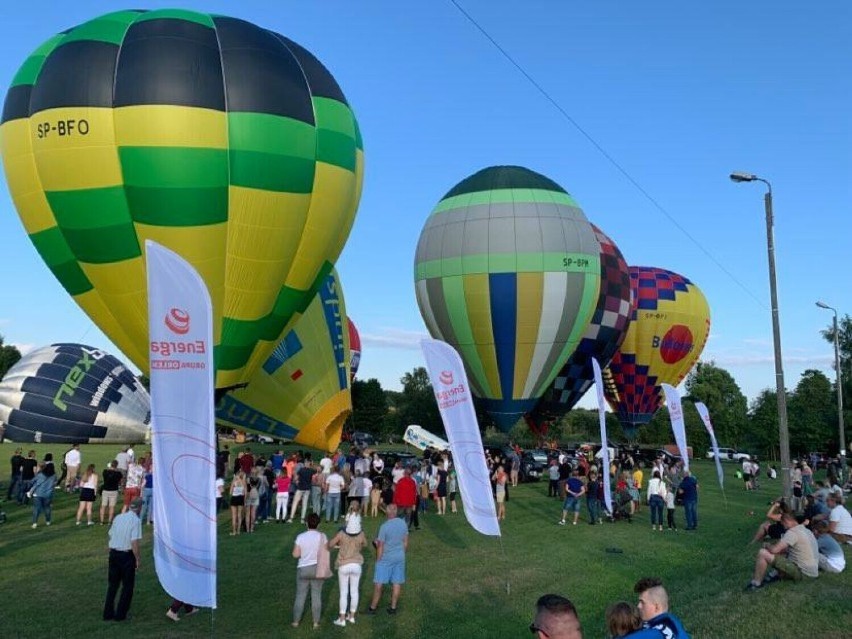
22 172
166 125
530 295
471 322
325 428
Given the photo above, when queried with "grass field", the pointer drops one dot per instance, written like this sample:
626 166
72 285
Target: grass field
460 584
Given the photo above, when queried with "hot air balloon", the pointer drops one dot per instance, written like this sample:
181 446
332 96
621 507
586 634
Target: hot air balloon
302 390
602 339
227 143
354 349
72 393
668 331
507 271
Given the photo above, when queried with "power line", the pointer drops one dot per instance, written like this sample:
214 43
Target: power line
603 152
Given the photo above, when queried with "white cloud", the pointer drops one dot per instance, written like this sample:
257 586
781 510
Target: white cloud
394 338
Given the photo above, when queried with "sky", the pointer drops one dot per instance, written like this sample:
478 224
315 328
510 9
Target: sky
639 110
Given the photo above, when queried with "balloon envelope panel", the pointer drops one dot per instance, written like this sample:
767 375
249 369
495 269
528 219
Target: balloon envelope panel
302 391
354 349
225 142
667 333
507 271
75 394
602 338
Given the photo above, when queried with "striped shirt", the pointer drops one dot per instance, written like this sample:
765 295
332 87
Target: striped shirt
126 528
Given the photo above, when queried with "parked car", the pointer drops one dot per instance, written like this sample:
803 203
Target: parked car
362 440
533 465
725 454
390 457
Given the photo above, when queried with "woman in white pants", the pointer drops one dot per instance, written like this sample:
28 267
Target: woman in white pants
350 541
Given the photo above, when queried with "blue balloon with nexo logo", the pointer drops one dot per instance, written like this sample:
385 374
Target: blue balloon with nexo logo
73 393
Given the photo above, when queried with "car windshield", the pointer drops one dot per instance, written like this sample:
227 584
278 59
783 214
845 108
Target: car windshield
539 456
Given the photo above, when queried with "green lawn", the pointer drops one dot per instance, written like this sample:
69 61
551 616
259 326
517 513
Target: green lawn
461 584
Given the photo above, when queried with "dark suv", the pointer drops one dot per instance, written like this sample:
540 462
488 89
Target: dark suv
533 465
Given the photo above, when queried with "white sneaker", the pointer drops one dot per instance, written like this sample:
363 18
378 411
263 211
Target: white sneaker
172 615
339 622
35 526
350 619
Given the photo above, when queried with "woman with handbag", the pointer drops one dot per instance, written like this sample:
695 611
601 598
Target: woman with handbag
350 541
312 569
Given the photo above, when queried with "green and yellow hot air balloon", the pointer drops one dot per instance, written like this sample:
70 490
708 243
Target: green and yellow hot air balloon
226 142
302 391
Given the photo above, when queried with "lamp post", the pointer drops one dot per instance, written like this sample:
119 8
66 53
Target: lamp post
840 430
783 434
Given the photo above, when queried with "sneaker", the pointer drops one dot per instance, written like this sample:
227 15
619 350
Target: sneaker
561 522
391 611
371 611
47 524
340 622
78 523
350 619
172 615
191 612
91 523
34 526
751 587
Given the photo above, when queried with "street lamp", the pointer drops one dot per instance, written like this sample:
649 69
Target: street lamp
783 434
840 429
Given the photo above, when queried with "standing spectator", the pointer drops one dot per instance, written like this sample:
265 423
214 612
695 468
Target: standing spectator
391 546
574 489
555 618
124 561
123 460
656 500
42 490
72 461
405 496
88 494
500 481
638 476
220 493
831 557
317 482
109 495
515 461
304 477
306 550
252 500
553 479
131 455
654 609
452 487
148 496
223 459
670 508
334 485
795 555
132 483
282 494
688 489
237 501
351 541
593 504
378 465
17 461
441 490
746 474
28 473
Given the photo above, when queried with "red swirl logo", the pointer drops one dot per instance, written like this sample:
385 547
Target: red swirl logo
177 321
446 378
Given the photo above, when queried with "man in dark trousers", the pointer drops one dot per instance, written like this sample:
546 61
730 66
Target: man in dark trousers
124 558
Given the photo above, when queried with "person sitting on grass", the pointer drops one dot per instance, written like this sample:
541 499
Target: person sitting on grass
839 519
653 605
556 618
794 556
772 527
622 620
831 557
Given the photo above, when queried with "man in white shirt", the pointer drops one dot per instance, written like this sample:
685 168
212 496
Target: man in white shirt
839 519
124 559
334 484
325 465
72 462
123 460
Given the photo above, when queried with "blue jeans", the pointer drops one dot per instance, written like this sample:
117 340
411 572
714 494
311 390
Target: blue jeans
23 487
147 504
332 506
42 505
657 504
14 482
691 511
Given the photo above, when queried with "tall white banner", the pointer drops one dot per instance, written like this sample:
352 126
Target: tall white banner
596 367
678 426
183 427
705 417
455 402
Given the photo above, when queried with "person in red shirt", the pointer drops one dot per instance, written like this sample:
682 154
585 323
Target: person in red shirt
247 461
405 495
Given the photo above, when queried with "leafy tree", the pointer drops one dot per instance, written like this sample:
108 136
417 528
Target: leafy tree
369 406
812 414
9 356
728 407
417 403
762 434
